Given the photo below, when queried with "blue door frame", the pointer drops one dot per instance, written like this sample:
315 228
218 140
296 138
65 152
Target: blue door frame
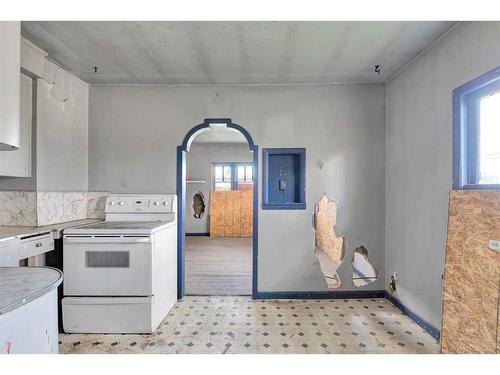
181 197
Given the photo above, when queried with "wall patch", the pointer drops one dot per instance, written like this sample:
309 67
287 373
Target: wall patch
329 249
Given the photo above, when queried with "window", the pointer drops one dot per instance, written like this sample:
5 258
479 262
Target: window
222 177
245 177
489 139
233 176
476 128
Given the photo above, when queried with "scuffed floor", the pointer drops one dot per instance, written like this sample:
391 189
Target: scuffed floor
242 325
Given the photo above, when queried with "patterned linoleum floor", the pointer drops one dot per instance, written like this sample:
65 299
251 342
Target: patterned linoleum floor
242 325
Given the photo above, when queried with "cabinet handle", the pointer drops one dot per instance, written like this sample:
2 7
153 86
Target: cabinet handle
38 244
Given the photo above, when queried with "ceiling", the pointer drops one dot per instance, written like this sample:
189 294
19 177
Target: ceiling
233 52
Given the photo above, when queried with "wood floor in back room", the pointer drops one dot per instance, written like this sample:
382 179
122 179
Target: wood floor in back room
218 266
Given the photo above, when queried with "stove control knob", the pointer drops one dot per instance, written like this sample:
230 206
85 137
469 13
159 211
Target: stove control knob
121 203
111 203
156 203
165 203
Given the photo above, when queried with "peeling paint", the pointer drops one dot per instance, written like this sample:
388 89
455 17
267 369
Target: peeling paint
329 249
364 273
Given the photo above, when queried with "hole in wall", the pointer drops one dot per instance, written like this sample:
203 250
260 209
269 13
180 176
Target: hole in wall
198 205
363 273
329 248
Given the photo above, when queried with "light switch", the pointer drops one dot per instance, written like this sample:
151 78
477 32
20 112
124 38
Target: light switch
495 245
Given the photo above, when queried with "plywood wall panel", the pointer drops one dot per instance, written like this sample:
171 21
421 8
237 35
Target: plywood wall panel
231 213
217 214
236 213
498 325
472 274
246 213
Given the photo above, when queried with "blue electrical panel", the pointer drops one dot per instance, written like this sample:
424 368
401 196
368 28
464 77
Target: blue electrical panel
284 178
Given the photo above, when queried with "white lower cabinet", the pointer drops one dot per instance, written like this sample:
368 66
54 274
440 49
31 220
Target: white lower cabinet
9 253
31 328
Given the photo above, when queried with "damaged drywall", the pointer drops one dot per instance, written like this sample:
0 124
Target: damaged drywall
363 272
329 249
198 207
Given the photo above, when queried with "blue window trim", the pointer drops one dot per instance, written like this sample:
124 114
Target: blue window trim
234 171
266 205
465 131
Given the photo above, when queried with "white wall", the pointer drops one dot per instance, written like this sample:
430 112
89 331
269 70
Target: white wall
419 159
62 135
134 131
199 167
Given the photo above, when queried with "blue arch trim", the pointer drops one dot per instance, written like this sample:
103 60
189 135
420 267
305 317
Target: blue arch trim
181 199
206 124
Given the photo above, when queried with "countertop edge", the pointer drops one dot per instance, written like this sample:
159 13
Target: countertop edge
37 294
11 232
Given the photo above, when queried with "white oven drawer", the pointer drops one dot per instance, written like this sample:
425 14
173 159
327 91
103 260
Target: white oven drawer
36 245
107 266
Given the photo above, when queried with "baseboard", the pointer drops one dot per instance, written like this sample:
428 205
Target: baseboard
197 234
429 328
341 294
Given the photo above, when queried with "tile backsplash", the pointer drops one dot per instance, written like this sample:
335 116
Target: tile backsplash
19 208
96 203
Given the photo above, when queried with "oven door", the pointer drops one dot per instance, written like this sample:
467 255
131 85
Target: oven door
107 265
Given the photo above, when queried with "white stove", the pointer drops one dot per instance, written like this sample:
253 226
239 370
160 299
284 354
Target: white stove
121 274
121 227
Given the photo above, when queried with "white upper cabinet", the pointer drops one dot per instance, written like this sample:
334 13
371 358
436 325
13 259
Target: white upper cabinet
32 58
10 66
17 163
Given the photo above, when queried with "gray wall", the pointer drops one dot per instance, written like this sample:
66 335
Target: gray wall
199 167
419 159
134 131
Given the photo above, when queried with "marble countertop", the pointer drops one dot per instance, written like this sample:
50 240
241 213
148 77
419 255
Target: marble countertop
7 232
20 285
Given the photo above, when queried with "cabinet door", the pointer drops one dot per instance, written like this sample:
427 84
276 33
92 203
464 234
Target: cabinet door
9 253
18 163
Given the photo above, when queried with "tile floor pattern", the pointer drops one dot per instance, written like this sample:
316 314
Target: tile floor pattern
242 325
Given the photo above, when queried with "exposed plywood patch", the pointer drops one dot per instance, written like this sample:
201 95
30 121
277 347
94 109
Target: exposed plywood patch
364 273
472 274
329 249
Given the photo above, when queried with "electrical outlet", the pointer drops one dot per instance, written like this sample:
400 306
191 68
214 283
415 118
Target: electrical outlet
393 282
495 245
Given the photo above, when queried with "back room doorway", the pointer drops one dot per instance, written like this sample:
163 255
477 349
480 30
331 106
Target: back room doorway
217 247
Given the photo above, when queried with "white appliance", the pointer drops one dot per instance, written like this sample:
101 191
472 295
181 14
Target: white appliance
120 275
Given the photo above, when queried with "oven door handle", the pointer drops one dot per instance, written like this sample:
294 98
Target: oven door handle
98 240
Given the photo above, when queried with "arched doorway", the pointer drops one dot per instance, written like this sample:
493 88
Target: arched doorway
181 196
